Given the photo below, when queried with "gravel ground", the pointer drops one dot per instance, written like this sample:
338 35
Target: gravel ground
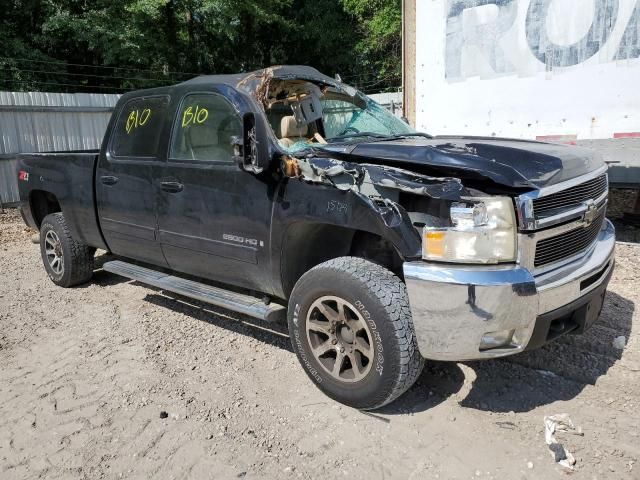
87 372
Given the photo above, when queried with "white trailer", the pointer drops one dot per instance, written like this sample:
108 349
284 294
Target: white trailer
553 70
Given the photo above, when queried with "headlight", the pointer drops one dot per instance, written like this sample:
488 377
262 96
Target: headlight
483 230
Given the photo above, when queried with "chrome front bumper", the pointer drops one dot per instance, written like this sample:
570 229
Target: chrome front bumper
454 307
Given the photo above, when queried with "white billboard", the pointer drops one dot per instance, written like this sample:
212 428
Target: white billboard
549 69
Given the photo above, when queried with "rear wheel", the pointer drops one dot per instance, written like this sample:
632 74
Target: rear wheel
351 328
67 261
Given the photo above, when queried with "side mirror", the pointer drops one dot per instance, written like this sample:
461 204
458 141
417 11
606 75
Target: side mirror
245 149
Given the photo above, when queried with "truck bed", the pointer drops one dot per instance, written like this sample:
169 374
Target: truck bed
70 177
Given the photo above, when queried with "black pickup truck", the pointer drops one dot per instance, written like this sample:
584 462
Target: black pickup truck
284 192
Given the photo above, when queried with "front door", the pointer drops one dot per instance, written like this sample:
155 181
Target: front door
213 217
125 187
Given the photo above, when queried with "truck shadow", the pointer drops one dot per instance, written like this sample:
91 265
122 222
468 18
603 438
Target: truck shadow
105 279
438 381
558 371
275 334
440 377
102 277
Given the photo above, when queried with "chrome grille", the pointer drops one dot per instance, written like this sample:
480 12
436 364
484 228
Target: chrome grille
567 244
571 197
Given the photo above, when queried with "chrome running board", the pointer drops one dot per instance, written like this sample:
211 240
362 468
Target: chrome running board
237 302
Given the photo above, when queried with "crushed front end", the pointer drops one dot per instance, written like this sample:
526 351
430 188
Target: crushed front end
555 286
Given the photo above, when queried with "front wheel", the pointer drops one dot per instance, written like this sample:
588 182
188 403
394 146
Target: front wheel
351 328
67 261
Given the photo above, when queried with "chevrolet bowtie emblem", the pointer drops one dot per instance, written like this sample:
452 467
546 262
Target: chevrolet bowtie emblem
590 214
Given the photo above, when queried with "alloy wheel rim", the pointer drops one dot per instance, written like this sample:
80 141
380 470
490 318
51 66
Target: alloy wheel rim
53 251
340 339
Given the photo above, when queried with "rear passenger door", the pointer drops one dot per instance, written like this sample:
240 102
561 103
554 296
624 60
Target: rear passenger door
126 192
213 217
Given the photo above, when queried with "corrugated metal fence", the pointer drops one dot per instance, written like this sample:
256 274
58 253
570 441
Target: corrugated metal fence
41 122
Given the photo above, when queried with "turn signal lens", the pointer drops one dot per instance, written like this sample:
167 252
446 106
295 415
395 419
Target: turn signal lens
434 243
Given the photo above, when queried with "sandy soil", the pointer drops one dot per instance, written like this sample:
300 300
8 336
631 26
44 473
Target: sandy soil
86 373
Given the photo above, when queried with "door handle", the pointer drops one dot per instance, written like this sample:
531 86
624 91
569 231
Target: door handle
171 187
109 180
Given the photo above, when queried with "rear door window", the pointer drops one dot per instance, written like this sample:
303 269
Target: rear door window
204 126
139 128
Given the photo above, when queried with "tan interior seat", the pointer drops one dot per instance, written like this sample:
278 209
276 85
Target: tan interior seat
291 132
202 144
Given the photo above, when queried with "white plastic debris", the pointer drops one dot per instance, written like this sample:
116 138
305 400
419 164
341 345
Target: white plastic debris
560 423
620 342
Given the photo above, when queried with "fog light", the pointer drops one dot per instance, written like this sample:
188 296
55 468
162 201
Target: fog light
503 338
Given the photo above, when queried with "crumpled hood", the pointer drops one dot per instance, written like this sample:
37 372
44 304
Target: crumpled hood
512 163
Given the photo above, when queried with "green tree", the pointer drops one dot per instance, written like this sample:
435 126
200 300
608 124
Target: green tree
102 45
379 47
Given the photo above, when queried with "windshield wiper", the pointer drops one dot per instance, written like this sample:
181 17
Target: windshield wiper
381 136
359 134
404 135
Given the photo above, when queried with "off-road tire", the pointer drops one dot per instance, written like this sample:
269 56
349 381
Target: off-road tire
381 298
77 258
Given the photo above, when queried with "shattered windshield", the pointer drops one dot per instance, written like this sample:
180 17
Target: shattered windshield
350 117
304 115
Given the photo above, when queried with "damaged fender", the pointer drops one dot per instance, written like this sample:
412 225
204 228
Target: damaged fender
374 188
364 178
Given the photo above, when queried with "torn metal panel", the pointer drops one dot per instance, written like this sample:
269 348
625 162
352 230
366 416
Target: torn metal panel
364 178
392 214
373 183
280 83
342 175
445 188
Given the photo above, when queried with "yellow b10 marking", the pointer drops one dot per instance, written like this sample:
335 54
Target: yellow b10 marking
198 117
137 119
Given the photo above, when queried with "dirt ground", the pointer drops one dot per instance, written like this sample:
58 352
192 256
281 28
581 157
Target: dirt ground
86 372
